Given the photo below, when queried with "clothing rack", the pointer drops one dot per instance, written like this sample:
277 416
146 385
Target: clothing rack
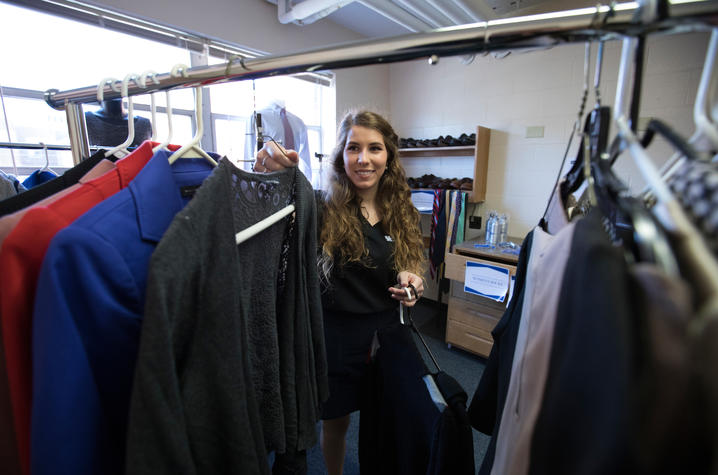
32 146
533 31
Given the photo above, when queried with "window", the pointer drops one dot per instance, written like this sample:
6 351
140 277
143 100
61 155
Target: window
83 53
79 55
234 103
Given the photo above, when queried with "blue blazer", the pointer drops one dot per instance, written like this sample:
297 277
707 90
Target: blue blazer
87 318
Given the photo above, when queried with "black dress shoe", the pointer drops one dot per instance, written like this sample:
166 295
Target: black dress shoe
441 142
451 141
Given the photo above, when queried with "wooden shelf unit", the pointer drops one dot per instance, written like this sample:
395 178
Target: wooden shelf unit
480 152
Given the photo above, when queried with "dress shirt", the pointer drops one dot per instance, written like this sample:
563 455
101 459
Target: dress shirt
21 257
87 318
273 127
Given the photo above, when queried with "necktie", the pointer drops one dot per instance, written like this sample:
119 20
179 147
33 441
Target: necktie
434 222
288 133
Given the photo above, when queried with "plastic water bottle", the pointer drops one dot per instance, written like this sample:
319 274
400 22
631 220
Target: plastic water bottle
491 228
502 228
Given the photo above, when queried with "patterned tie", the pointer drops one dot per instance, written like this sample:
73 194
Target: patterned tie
288 133
434 222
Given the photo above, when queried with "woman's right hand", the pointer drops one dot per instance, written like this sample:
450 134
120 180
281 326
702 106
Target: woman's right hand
273 157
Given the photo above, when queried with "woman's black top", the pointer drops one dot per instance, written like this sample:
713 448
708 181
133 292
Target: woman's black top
363 287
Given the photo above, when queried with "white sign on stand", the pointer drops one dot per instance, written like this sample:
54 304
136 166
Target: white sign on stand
423 201
486 280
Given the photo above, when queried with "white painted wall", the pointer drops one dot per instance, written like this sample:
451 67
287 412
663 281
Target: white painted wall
366 87
251 23
540 88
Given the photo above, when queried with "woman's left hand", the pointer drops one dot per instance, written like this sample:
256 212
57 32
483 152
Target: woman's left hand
407 279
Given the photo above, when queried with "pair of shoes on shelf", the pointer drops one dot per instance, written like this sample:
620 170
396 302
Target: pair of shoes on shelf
467 139
432 181
441 141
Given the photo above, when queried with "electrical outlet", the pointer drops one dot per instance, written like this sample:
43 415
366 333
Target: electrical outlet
475 222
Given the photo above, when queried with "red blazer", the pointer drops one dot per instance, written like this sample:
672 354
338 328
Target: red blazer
21 258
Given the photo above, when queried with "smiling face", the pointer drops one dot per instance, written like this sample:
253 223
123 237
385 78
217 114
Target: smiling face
365 157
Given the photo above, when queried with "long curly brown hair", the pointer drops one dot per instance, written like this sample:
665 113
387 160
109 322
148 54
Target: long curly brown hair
341 235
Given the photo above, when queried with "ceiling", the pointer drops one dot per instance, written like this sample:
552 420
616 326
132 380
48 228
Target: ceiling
384 18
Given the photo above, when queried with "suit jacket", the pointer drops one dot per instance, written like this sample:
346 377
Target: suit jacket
21 258
88 312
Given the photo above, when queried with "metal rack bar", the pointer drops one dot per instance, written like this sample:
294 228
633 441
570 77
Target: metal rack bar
531 31
521 32
32 146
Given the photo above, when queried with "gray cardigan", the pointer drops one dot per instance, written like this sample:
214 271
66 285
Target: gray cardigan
231 362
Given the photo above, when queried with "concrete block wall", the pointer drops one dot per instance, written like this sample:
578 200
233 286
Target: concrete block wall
538 88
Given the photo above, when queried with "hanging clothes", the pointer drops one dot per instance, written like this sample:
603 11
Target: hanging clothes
487 404
529 368
286 128
231 361
9 186
21 257
40 192
411 421
87 317
695 184
9 457
587 422
37 178
9 221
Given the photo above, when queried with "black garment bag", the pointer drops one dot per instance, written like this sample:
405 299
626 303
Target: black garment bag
412 421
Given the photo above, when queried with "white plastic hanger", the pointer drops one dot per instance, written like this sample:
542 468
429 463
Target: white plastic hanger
256 228
121 149
153 106
707 89
164 144
47 160
667 210
176 71
706 133
101 88
193 144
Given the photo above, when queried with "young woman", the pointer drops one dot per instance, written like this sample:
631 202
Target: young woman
371 251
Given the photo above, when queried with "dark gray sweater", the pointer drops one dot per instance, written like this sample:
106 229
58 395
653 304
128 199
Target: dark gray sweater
231 361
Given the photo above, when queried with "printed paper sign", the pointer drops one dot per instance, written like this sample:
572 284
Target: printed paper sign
423 200
486 280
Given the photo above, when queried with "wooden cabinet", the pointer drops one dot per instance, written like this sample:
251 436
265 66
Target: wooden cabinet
470 318
479 152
